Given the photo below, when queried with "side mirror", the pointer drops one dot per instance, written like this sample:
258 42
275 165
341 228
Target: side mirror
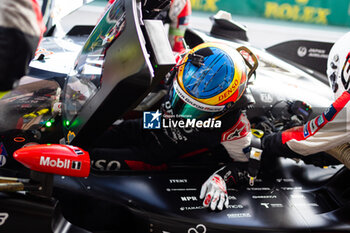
55 159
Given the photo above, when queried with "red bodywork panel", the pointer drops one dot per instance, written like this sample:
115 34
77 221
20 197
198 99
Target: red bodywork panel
54 158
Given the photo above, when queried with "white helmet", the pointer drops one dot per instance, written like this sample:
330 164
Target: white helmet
338 66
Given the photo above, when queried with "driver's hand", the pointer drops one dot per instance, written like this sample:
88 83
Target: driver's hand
215 193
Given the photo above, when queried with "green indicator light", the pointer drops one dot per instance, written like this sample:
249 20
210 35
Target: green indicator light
156 66
52 120
48 124
67 123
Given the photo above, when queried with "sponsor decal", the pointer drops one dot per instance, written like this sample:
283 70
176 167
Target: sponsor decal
232 198
291 188
177 181
200 228
276 205
208 5
264 197
265 204
239 130
103 165
225 95
298 11
151 120
3 217
306 131
189 198
266 97
312 52
181 189
258 188
3 155
320 120
330 113
235 207
303 204
318 53
313 126
279 180
183 208
272 205
302 51
239 215
255 154
66 164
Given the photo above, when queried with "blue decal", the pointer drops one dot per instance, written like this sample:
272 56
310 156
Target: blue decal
3 155
320 120
151 120
306 131
330 112
313 126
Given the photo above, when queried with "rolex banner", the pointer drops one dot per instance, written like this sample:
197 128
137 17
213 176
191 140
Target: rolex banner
324 12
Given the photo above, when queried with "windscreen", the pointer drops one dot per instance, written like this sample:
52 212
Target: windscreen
86 78
28 106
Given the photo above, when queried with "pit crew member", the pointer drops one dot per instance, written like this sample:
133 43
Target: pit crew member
178 17
21 29
328 132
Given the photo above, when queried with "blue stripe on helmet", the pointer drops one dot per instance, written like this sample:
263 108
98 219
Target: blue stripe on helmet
210 79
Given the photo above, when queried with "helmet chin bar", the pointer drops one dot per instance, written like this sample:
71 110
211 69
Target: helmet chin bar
253 67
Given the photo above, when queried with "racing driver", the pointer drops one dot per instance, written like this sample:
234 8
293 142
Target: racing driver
208 85
21 28
178 17
328 132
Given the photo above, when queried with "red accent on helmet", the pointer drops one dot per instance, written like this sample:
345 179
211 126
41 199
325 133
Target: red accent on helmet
56 159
